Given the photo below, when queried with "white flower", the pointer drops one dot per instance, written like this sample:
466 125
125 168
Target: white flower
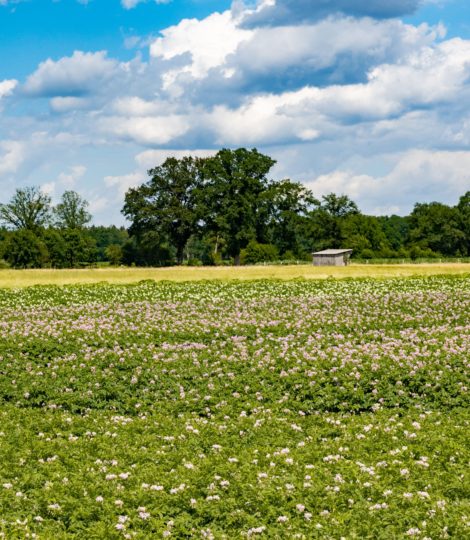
282 519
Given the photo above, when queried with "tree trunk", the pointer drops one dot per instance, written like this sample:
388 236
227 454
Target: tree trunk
180 254
236 259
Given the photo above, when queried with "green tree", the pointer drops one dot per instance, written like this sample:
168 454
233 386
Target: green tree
256 253
364 235
24 249
79 248
463 209
167 203
56 248
328 220
106 236
147 250
71 212
29 209
436 226
395 229
114 254
289 207
232 198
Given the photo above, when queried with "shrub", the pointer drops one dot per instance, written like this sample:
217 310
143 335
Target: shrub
256 253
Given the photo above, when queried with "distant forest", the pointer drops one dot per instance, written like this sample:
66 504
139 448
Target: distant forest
221 210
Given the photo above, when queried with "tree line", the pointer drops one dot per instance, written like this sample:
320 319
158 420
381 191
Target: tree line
222 209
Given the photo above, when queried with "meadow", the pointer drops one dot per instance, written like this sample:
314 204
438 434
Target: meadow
327 409
121 275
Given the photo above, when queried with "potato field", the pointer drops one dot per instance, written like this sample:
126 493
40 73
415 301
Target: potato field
335 409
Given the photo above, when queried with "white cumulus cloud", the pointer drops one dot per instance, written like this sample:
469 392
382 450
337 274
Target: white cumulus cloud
417 176
70 76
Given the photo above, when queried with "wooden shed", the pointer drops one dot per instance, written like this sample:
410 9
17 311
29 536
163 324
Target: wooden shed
332 257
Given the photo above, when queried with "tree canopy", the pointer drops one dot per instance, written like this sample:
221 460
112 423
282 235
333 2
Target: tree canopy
224 209
29 209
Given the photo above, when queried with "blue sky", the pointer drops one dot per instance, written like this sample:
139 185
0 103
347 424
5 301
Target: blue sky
364 97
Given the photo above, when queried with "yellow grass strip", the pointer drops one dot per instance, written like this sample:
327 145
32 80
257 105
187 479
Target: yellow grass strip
25 278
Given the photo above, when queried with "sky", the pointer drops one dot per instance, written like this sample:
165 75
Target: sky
370 98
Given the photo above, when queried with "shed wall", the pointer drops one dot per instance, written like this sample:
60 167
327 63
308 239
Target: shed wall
329 260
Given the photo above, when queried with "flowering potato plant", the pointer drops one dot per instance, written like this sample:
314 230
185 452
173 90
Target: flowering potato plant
265 409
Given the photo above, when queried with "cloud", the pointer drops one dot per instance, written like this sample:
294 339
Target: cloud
206 42
432 76
146 130
283 12
6 87
130 4
348 46
124 182
12 154
417 176
67 104
71 177
145 161
339 97
214 59
71 76
48 188
153 158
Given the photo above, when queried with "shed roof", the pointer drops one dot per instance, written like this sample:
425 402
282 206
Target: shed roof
333 252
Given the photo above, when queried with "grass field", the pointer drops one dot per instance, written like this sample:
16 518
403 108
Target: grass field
25 278
303 409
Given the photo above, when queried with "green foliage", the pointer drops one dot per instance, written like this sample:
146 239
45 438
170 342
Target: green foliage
24 249
328 221
167 203
28 209
233 203
114 254
56 248
258 253
290 204
107 236
210 209
395 229
79 248
148 250
71 212
436 227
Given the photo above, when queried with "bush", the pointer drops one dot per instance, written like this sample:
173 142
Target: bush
114 254
193 262
256 253
367 254
25 250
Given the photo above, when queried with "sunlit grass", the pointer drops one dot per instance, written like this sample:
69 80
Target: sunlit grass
25 278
